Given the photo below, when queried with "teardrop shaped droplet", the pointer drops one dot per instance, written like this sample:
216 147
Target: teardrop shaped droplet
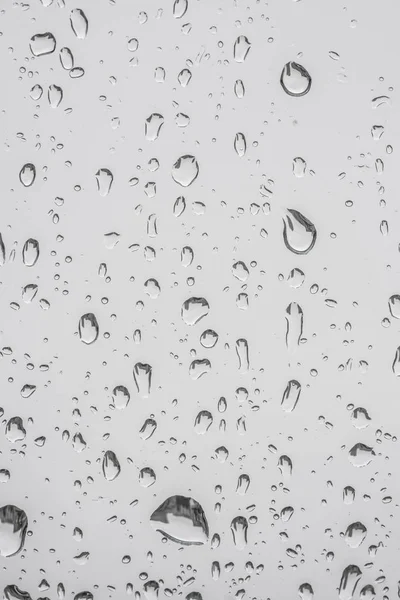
350 577
299 234
142 374
88 328
240 144
111 466
285 465
13 526
291 396
361 455
27 174
194 309
30 252
185 170
239 527
295 79
42 43
153 126
182 520
355 534
104 180
79 23
203 422
241 48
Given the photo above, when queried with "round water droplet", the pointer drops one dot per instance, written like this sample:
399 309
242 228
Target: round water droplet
66 59
27 174
355 534
194 309
295 79
13 526
240 144
182 520
121 397
36 92
42 43
79 23
185 170
88 328
208 338
299 234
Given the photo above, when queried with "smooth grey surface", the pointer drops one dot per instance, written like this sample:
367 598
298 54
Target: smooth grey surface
235 210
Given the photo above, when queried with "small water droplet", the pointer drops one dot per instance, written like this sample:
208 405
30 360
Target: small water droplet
295 79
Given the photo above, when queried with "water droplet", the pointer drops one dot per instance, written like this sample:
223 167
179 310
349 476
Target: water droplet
15 431
36 92
29 292
239 528
291 396
88 328
27 174
42 43
242 351
184 77
185 170
296 278
66 59
295 79
199 367
361 455
152 288
13 526
121 397
142 374
182 520
299 167
111 466
148 428
306 592
153 126
240 144
12 592
179 9
79 23
286 513
396 363
203 422
241 49
240 271
239 89
360 418
350 577
179 206
104 180
368 592
355 534
30 252
194 309
54 95
150 590
294 325
299 234
27 390
348 494
285 465
394 306
208 338
242 484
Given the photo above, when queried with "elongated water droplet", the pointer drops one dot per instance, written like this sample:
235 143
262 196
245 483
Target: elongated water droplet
242 351
27 174
240 144
355 534
179 9
394 306
295 79
194 309
396 363
296 278
13 526
299 234
348 494
182 520
350 577
203 422
121 397
79 23
179 206
29 292
111 466
294 325
285 465
239 89
66 59
187 256
104 180
148 428
184 77
242 484
291 396
241 48
286 513
361 455
185 170
54 95
299 167
153 126
42 43
142 374
239 528
30 252
88 328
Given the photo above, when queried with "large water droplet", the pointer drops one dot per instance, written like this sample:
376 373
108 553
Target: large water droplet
285 465
182 520
142 374
147 477
79 23
291 396
368 592
13 526
153 126
239 528
361 455
185 170
299 166
66 59
306 592
148 428
30 252
203 422
12 592
104 180
208 338
299 234
88 328
394 306
111 466
27 174
240 144
179 9
54 95
194 309
242 351
42 43
240 271
350 577
199 367
360 418
294 325
121 397
15 431
355 534
242 484
241 48
295 79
